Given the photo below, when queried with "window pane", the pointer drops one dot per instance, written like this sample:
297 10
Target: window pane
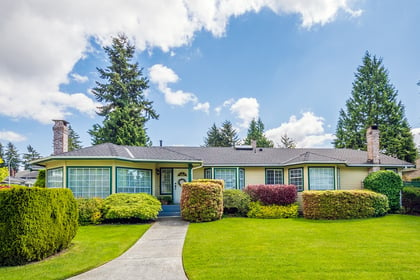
55 178
89 181
166 181
228 175
207 173
130 180
241 178
321 178
296 178
274 176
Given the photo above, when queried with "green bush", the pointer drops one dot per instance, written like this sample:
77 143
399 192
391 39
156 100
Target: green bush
217 181
40 179
256 210
411 199
334 205
417 179
35 223
124 207
90 210
202 201
236 202
388 183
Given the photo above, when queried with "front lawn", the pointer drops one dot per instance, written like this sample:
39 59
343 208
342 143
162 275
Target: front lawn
240 248
92 246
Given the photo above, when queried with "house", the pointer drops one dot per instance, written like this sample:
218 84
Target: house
101 170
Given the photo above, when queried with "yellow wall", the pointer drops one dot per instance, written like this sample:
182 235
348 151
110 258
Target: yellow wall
351 178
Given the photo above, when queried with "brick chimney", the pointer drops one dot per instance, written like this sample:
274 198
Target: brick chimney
372 137
61 137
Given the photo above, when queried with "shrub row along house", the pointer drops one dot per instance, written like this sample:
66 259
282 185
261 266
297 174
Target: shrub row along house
101 170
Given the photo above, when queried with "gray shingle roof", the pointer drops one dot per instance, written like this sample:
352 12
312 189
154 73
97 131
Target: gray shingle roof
221 156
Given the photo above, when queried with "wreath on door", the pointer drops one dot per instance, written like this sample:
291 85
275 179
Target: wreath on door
181 181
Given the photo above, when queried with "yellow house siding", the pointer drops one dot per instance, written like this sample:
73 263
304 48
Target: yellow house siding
351 178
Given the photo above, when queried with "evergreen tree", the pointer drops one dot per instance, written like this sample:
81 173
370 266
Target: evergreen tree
374 102
256 132
126 110
213 138
287 142
225 136
229 136
11 157
74 140
31 155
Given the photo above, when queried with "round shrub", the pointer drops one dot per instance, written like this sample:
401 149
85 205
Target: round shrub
235 202
90 210
333 205
388 183
256 210
124 207
202 201
272 194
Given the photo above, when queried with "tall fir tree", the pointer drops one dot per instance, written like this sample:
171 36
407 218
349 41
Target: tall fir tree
29 156
373 101
12 159
256 132
213 138
225 136
74 140
126 109
229 136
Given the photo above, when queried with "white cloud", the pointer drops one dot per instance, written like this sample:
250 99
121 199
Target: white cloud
43 40
11 136
162 76
245 110
79 78
205 107
308 131
416 134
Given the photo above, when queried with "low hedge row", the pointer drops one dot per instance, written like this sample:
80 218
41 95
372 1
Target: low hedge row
131 206
119 207
272 194
256 210
202 201
35 223
343 204
411 200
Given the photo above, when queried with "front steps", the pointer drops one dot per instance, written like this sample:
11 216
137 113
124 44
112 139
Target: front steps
170 211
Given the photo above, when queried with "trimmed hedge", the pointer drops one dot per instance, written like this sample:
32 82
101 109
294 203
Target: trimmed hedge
216 181
272 194
202 201
333 205
90 210
256 210
124 207
35 223
235 202
411 199
388 183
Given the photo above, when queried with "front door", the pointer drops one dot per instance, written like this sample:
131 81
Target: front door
180 177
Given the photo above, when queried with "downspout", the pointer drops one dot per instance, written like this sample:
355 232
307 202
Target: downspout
191 171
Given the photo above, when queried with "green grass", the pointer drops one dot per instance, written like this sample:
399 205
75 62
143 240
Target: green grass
239 248
92 246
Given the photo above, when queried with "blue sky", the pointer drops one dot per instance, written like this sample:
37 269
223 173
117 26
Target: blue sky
291 63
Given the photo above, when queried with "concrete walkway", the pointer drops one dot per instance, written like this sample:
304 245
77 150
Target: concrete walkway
156 255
